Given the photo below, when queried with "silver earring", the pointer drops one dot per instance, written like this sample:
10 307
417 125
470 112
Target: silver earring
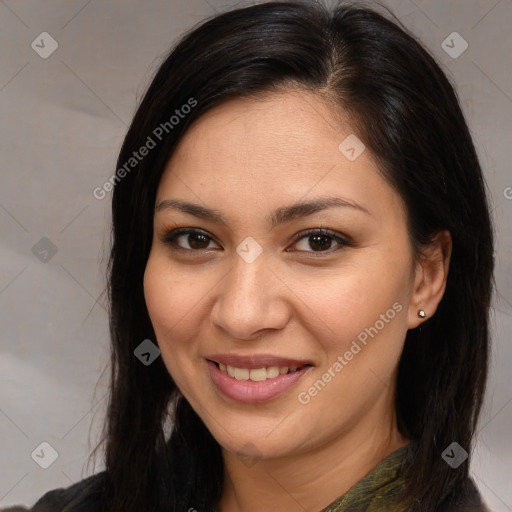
422 313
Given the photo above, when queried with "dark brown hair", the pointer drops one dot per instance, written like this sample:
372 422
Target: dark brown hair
404 109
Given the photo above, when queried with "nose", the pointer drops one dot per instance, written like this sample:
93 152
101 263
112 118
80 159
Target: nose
251 299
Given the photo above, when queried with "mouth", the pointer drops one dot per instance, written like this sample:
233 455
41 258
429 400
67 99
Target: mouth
255 379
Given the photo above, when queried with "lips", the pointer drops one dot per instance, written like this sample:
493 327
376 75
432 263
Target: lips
256 378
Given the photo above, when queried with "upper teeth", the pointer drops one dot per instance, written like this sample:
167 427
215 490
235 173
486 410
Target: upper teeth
256 374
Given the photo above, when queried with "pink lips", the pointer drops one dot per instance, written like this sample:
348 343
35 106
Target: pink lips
248 391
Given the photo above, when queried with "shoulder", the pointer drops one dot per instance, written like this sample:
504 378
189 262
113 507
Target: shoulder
83 496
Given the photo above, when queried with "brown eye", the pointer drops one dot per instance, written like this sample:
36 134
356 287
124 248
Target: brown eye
321 241
195 239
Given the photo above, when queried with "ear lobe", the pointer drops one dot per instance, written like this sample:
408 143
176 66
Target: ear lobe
430 278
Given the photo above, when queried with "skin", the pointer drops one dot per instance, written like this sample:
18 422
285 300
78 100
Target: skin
246 158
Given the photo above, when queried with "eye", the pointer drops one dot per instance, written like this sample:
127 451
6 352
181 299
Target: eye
320 240
195 238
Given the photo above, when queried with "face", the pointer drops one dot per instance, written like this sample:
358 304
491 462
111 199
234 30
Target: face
283 327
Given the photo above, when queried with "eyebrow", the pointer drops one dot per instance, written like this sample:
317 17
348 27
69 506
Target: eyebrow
279 216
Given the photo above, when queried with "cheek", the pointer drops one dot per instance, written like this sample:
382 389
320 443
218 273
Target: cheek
363 324
158 296
169 298
169 302
341 305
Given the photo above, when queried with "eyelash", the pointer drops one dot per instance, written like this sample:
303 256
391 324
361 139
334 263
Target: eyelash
170 239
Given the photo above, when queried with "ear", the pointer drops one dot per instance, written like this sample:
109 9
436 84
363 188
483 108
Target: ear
430 278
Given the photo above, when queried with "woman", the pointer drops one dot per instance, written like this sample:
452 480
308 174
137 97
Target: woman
300 224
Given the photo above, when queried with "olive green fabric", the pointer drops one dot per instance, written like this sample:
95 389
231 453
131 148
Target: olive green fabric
378 490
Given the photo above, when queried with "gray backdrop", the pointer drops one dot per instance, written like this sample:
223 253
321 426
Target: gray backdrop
63 117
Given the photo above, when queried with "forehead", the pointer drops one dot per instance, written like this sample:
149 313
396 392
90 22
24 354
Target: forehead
283 125
273 149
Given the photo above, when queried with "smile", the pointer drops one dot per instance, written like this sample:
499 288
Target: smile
252 381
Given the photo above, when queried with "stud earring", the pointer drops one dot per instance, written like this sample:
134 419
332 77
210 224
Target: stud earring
422 313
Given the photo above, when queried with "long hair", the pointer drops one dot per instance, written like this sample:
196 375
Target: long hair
406 112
